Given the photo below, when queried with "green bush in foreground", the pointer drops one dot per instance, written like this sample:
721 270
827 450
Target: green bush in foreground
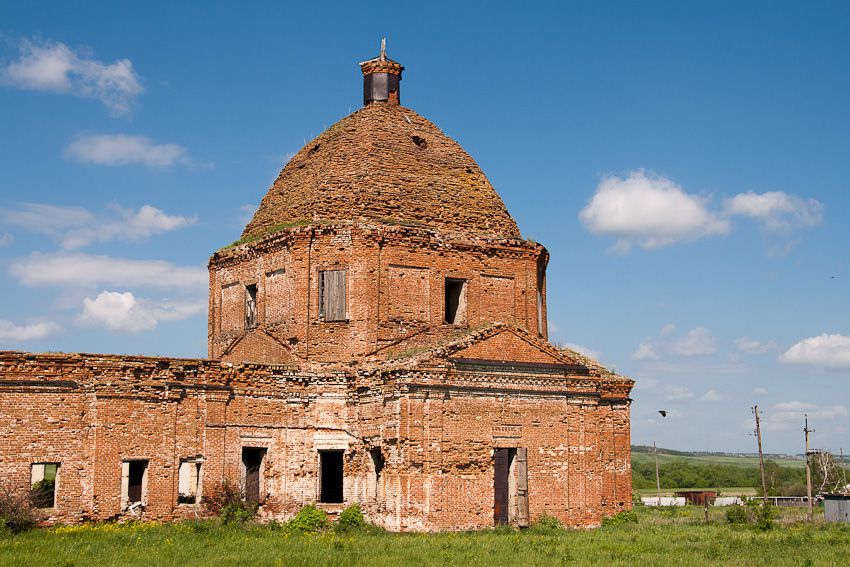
766 517
17 513
547 523
763 516
351 518
226 502
737 514
308 519
620 518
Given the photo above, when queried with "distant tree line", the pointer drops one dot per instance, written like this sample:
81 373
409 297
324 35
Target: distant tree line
679 473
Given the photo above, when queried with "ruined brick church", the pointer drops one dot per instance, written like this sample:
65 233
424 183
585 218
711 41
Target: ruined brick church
378 335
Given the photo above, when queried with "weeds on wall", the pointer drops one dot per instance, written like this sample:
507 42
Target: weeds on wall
17 511
228 503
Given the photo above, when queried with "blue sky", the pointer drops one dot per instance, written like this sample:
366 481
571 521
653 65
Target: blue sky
685 163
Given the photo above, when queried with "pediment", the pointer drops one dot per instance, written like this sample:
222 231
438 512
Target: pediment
257 346
509 346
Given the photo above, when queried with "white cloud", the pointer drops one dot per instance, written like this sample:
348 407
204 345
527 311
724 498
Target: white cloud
751 346
678 393
711 396
5 239
75 227
121 149
668 330
790 415
123 312
117 312
46 219
698 342
649 210
55 67
776 210
86 270
133 225
246 213
645 351
12 333
759 391
583 350
828 351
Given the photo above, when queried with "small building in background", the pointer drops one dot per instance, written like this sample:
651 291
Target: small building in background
836 507
697 497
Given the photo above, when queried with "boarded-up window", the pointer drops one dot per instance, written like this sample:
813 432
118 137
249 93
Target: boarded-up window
250 306
455 301
407 287
277 297
500 292
232 307
134 484
43 478
189 481
332 295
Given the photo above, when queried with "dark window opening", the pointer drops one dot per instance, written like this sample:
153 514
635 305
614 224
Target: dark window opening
43 484
332 295
541 283
455 301
135 481
377 461
375 478
419 141
330 477
252 462
251 306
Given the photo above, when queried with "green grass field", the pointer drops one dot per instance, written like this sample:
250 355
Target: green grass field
640 457
661 537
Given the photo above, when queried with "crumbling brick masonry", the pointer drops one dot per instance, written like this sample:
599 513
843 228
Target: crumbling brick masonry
377 336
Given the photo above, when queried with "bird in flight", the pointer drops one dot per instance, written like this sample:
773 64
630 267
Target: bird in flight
663 412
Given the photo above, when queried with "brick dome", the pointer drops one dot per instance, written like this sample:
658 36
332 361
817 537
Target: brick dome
384 163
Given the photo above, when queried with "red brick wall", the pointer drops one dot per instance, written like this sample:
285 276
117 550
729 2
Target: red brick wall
436 429
395 289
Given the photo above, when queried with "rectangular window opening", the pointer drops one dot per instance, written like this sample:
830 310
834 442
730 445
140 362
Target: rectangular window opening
332 295
541 283
252 466
189 481
330 477
455 301
43 478
251 306
377 469
134 483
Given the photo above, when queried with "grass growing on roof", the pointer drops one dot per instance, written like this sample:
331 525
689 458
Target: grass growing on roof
270 230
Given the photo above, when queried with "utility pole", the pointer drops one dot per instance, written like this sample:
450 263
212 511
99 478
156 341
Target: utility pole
843 470
806 430
761 455
657 477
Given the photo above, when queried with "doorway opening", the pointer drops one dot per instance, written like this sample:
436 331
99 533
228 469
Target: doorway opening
330 477
252 463
510 486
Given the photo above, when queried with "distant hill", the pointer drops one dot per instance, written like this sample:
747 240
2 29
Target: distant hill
644 453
